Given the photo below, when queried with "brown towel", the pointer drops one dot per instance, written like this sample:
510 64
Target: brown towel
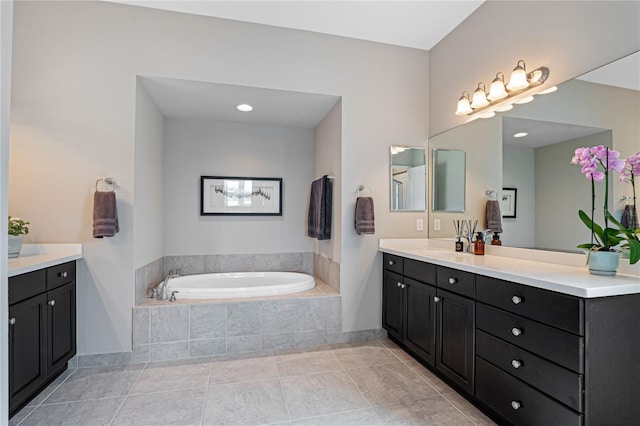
494 217
365 217
105 214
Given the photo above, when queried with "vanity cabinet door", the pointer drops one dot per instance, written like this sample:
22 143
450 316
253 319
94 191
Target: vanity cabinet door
456 338
61 327
27 354
392 304
419 331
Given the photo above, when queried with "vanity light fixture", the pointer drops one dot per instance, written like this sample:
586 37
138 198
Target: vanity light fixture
244 107
501 98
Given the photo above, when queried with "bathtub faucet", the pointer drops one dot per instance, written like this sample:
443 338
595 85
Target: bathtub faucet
162 291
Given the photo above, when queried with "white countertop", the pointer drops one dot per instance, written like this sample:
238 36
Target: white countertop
568 279
38 256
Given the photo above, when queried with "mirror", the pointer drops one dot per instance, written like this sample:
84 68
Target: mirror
408 188
599 107
448 180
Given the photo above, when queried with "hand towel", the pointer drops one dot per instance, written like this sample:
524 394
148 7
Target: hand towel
105 214
629 219
493 217
320 209
365 217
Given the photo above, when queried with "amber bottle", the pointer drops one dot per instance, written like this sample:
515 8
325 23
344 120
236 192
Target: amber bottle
478 244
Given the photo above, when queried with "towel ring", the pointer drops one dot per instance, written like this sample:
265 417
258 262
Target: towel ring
361 188
108 181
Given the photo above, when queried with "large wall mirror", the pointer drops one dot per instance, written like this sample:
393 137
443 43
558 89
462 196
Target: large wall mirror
601 107
448 180
408 188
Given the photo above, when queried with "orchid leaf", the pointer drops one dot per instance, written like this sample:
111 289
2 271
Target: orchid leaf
634 251
597 229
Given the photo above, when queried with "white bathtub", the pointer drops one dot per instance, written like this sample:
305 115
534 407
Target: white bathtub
239 284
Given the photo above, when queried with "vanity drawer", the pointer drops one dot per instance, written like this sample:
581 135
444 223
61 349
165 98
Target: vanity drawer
24 286
556 309
517 402
555 345
421 271
456 281
61 274
560 383
393 263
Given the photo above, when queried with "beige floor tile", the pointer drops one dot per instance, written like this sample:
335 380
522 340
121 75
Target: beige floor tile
468 409
91 412
173 375
390 383
395 349
181 407
366 417
307 363
243 370
431 378
434 411
364 356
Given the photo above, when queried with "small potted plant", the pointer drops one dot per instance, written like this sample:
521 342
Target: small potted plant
17 229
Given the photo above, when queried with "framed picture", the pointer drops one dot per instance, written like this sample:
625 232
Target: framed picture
241 196
508 202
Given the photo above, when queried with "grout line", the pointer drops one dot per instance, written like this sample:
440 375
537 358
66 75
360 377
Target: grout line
454 406
127 395
206 393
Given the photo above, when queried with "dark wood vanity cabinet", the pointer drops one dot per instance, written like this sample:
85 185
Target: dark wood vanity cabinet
42 330
525 355
434 324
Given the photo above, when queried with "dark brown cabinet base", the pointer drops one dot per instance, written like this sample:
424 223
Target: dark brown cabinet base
42 330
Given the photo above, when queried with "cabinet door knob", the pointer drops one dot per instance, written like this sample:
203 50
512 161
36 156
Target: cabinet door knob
62 274
399 285
392 262
516 331
52 302
403 286
516 405
452 280
436 299
12 321
516 363
516 300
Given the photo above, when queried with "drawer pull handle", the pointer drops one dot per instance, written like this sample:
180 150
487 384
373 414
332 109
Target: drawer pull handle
516 300
403 286
516 405
63 274
392 262
12 321
399 285
516 331
436 299
516 364
52 302
452 280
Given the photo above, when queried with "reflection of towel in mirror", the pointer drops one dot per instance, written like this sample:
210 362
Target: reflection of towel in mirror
105 214
629 219
494 217
320 209
365 217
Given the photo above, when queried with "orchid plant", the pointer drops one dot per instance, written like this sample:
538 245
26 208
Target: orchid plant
596 163
631 233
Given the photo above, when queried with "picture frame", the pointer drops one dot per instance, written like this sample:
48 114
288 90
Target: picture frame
240 196
509 202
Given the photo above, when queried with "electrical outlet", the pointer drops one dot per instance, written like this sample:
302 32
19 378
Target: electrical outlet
436 224
419 225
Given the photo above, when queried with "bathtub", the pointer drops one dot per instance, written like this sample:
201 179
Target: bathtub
239 284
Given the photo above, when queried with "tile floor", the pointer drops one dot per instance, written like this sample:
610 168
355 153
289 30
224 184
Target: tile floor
364 383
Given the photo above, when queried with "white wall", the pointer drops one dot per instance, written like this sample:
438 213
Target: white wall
74 117
195 148
519 171
569 37
6 26
148 214
328 161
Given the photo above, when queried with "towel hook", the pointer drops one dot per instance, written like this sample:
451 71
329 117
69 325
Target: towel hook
108 180
361 188
489 193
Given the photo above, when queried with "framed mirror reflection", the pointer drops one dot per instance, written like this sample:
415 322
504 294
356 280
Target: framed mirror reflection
408 178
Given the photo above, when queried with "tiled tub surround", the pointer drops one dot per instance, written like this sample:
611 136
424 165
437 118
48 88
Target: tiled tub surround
148 276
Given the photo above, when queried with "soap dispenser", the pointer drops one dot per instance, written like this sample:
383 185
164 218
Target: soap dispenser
478 244
496 239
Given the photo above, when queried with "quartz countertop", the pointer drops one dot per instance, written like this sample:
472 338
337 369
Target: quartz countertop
38 256
531 269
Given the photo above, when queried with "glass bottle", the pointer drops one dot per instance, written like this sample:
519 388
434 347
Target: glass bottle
496 240
478 244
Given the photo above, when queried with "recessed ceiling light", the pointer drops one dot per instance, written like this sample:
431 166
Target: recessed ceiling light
520 135
244 107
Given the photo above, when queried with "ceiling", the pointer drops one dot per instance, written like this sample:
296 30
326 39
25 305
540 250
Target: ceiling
416 24
214 101
542 133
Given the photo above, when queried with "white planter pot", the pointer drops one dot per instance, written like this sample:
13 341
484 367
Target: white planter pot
15 245
604 262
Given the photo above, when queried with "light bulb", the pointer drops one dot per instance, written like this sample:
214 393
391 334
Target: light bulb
464 107
518 80
497 90
479 97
